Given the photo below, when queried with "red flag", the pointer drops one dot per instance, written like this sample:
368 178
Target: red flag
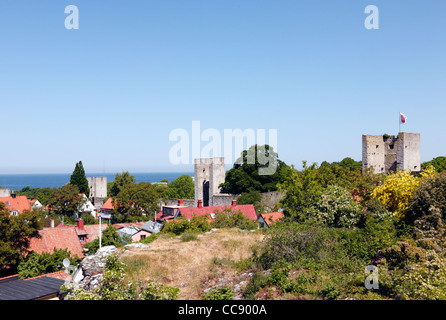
403 118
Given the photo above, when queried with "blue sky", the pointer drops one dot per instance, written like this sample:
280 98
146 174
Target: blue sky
111 92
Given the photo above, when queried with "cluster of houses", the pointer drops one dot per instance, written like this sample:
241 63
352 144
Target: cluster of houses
74 237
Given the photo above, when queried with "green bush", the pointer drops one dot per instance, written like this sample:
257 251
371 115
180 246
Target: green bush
219 294
335 208
182 225
233 219
427 207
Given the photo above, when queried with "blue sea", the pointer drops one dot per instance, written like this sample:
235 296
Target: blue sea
19 181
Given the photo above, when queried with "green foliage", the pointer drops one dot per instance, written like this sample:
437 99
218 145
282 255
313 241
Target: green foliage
41 194
182 225
181 188
114 287
109 237
439 163
15 235
301 190
257 282
252 197
219 294
316 260
335 208
228 218
427 207
121 180
135 199
78 179
245 175
66 200
36 264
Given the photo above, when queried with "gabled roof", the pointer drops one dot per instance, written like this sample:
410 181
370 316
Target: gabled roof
108 205
59 238
18 203
272 217
13 288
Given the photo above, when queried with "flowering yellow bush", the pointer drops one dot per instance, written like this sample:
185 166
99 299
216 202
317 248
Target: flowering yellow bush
398 188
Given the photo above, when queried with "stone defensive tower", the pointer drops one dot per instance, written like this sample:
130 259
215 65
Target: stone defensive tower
209 174
385 153
98 190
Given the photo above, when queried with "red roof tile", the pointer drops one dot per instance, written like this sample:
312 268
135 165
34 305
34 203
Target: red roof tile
272 217
19 203
108 205
59 238
248 211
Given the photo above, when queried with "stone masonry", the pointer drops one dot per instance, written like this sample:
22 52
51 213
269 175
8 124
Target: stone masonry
389 153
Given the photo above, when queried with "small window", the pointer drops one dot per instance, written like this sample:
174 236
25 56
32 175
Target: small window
377 146
143 236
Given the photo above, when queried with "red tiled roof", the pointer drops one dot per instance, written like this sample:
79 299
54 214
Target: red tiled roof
59 238
93 231
108 205
272 217
19 203
248 211
126 224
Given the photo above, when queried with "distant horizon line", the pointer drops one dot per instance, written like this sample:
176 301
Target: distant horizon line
95 173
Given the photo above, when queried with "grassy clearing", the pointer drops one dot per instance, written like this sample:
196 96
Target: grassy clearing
187 264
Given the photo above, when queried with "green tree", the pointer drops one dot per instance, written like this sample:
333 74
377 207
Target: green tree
66 200
78 179
302 189
439 163
15 236
427 206
40 194
246 174
181 188
36 264
136 201
121 180
109 237
251 197
228 218
336 208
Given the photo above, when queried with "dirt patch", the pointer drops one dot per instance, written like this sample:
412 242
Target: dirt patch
194 266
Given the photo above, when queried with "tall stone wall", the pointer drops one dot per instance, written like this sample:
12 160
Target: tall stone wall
208 175
390 153
98 190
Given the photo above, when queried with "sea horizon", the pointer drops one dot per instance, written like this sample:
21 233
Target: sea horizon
18 181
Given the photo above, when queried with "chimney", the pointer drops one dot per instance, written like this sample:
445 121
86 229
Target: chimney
80 224
200 204
52 223
180 202
234 203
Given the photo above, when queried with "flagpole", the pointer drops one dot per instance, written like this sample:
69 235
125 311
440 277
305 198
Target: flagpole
399 122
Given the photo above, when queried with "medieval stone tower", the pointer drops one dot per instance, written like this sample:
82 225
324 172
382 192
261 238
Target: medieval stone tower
98 190
209 174
385 153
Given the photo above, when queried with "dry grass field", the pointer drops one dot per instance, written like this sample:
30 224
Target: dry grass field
188 264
